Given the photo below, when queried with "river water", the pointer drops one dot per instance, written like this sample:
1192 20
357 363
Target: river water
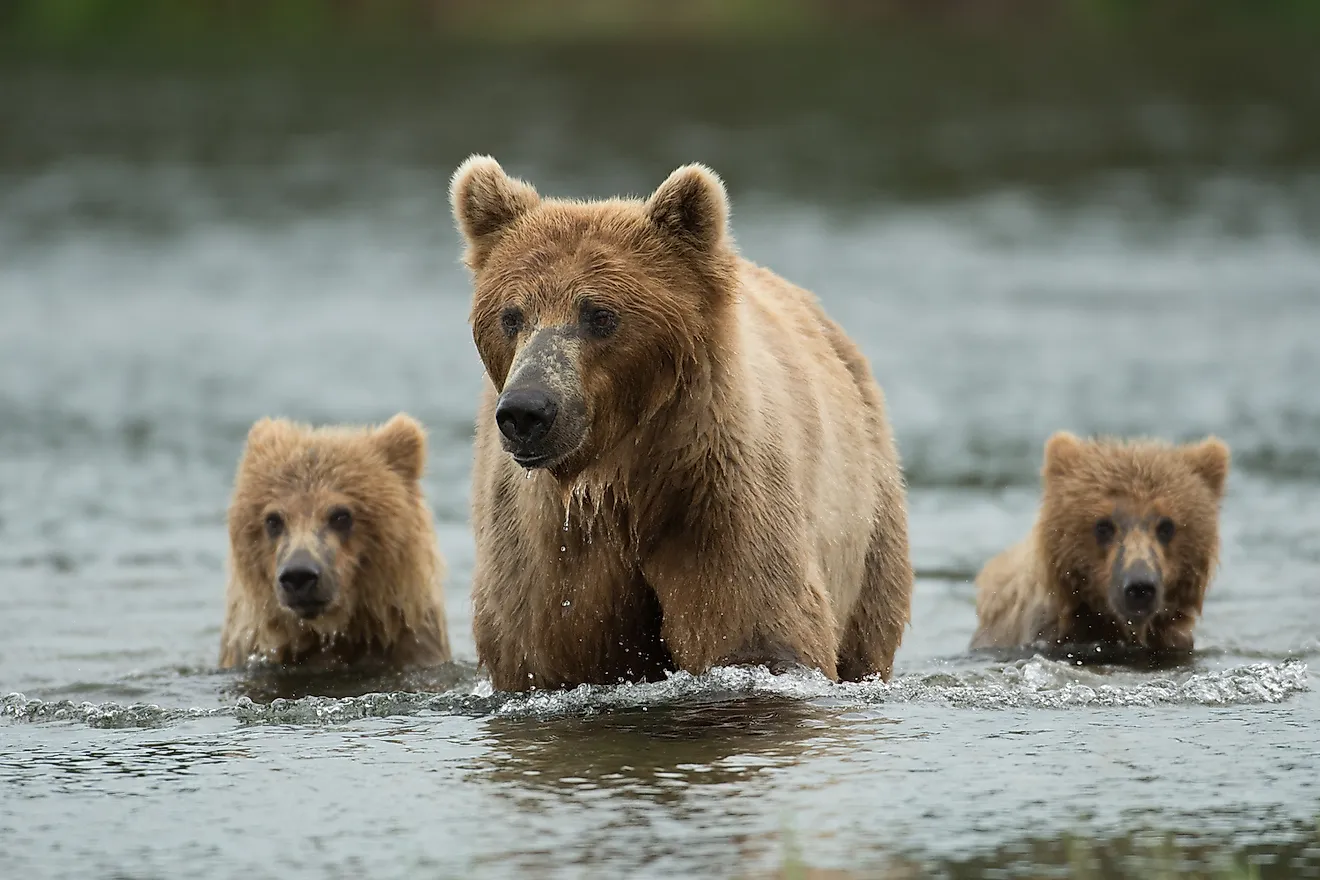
183 252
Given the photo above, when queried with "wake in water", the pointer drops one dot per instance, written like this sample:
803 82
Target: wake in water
1034 682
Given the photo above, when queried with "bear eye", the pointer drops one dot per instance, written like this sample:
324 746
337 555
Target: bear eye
1104 530
274 524
340 519
1164 530
511 321
600 322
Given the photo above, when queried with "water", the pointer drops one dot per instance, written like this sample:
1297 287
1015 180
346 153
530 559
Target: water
185 252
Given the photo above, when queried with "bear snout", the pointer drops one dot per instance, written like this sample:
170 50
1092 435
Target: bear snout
525 417
1138 593
301 585
541 411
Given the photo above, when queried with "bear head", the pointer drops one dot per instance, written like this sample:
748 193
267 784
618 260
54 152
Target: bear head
590 316
1131 530
323 519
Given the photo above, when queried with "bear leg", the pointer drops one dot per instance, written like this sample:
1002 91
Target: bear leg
883 607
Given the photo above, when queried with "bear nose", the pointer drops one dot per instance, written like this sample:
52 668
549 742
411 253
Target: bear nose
1139 595
299 580
525 416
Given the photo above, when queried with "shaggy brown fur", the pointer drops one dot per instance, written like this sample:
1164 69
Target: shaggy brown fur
346 503
1114 514
719 484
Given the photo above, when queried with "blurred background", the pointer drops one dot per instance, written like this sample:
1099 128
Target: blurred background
1099 215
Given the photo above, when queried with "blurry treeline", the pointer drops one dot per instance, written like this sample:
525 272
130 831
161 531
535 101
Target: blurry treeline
839 100
105 25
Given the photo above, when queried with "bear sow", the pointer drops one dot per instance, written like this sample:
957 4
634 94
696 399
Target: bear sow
681 461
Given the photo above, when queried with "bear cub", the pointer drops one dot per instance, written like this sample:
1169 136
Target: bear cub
1121 554
333 557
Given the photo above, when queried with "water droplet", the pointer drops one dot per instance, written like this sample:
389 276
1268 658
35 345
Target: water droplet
529 476
563 548
566 603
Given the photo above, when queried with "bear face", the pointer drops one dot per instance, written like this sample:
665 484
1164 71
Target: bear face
330 539
588 317
1130 530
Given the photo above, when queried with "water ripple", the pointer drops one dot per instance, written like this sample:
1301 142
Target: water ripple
112 715
1030 683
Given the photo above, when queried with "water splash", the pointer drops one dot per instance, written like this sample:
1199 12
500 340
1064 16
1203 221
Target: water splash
1046 684
1030 683
17 707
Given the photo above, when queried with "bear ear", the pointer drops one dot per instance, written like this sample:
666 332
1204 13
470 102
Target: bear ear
486 201
265 430
692 207
402 440
1210 459
1062 451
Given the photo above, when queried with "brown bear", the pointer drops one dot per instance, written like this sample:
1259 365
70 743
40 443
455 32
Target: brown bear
680 461
332 554
1121 554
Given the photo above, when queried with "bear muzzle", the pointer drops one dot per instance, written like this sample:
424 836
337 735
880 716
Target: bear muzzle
1137 593
305 587
541 412
525 417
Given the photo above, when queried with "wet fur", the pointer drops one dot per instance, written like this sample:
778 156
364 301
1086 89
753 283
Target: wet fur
1052 587
737 497
391 605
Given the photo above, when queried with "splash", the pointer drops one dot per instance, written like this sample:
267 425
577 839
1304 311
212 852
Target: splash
1031 683
17 707
1039 683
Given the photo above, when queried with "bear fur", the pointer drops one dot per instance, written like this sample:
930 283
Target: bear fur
344 503
1117 520
681 461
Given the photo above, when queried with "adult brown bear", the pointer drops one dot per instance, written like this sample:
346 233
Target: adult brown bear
681 462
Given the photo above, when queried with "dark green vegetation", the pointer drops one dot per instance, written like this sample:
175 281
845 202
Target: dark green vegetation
88 23
921 107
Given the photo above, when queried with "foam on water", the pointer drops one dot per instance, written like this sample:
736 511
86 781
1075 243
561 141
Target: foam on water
105 715
1029 683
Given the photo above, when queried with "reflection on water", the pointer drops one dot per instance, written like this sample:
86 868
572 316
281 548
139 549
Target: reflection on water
266 684
627 775
656 753
1294 852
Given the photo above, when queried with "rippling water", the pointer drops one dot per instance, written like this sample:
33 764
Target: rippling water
181 256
